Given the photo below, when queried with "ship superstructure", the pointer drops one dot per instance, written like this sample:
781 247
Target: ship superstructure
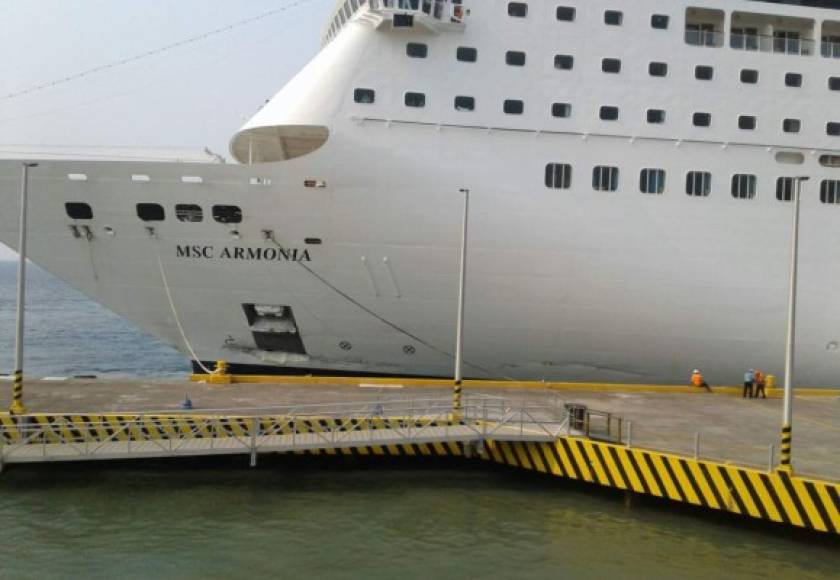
631 165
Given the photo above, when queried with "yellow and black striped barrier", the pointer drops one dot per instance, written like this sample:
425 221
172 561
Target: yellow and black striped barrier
772 496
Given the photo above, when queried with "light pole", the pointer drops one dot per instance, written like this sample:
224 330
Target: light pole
787 409
17 408
459 333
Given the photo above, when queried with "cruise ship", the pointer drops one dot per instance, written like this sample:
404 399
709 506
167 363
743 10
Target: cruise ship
631 166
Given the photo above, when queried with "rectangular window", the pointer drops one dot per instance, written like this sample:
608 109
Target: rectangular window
791 125
786 41
743 186
364 96
558 175
562 110
698 183
749 76
746 122
613 17
655 116
830 191
417 100
702 119
513 107
832 129
702 34
784 188
604 178
463 103
566 13
659 21
189 213
227 214
611 65
652 181
658 69
517 9
744 38
704 73
608 113
834 83
417 50
564 61
78 210
466 54
150 212
515 58
793 80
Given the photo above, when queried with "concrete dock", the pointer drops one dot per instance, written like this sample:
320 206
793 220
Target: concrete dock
730 428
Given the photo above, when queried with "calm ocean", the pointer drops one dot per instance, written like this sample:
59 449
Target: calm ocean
322 519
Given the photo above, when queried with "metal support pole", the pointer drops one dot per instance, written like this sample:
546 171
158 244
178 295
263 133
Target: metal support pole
790 343
17 407
459 336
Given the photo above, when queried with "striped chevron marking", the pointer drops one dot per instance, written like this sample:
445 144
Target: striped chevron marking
776 496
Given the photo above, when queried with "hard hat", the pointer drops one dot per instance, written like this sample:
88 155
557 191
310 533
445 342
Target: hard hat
696 370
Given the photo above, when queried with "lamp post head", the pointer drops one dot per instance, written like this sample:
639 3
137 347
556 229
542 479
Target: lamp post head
464 190
30 164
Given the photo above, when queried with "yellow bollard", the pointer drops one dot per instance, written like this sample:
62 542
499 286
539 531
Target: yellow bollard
770 382
17 407
220 376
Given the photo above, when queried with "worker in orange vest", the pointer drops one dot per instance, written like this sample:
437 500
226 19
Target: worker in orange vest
698 381
759 384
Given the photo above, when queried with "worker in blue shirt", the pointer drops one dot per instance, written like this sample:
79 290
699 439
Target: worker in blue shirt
749 380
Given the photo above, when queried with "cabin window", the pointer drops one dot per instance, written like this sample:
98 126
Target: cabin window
830 160
704 73
655 116
515 58
743 186
791 125
463 103
832 129
78 210
227 214
652 181
793 80
611 65
566 13
608 113
746 122
558 175
562 110
659 21
189 213
517 9
604 178
466 54
744 38
417 100
564 61
513 107
698 183
658 69
613 17
830 191
702 119
364 96
749 76
417 50
784 188
150 212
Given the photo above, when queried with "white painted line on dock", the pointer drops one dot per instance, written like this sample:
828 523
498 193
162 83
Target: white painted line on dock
373 386
54 379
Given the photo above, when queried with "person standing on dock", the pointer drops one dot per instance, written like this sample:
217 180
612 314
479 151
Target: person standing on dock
759 385
698 381
749 379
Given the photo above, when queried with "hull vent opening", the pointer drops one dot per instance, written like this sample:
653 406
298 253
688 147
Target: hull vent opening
274 328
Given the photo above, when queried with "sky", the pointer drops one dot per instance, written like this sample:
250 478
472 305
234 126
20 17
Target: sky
189 97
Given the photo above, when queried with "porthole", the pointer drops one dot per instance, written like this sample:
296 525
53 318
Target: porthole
364 96
345 345
151 212
189 213
227 214
409 349
78 210
417 50
463 103
466 54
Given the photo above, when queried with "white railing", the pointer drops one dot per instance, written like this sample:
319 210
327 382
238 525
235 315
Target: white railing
445 10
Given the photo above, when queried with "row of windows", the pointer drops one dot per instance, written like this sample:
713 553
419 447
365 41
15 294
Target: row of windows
605 112
697 183
569 13
154 212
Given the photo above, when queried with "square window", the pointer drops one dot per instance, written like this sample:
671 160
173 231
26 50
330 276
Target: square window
463 103
561 110
829 191
784 188
704 73
834 83
515 58
417 50
608 113
793 80
565 13
652 181
611 65
513 107
517 9
749 76
417 100
746 122
558 175
658 69
604 178
791 125
613 17
702 119
743 186
364 96
659 21
466 54
832 129
698 183
655 116
564 61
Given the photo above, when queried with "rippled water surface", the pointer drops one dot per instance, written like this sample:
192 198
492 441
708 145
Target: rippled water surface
329 520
